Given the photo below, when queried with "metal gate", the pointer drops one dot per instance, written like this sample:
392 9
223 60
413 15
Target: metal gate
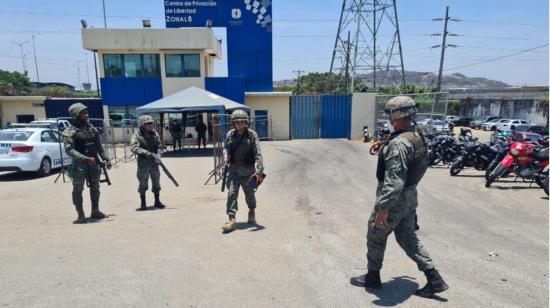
305 116
336 116
320 116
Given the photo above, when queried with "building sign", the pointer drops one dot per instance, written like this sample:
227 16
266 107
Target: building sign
249 34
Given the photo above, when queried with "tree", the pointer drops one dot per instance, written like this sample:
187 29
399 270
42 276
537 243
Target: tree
14 83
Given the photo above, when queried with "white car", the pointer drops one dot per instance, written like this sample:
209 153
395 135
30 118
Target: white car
32 149
511 124
493 124
449 119
51 123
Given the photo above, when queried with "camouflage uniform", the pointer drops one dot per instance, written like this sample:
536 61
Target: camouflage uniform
143 144
246 158
82 140
401 165
399 198
176 131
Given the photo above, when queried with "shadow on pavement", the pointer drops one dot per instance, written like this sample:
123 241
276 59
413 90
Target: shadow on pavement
247 226
515 187
24 176
208 152
394 292
469 176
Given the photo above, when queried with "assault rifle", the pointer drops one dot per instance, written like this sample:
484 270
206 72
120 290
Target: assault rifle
161 164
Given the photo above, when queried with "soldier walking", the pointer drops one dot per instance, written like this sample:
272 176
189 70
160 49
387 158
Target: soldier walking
83 145
146 144
244 158
401 165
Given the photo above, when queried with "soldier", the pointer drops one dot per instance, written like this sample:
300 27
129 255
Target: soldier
201 128
144 143
242 153
175 131
401 165
83 146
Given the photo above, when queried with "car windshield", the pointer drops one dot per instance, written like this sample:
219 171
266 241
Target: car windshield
15 135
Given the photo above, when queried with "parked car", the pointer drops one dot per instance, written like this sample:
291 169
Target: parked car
51 123
526 136
511 124
492 125
462 121
500 135
440 126
541 130
477 123
32 149
451 118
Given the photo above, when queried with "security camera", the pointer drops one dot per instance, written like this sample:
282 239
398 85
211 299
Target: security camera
84 23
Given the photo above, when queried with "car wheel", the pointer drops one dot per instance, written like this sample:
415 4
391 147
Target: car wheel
45 167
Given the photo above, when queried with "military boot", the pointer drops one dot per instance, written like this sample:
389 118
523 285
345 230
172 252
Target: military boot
435 284
143 205
231 225
371 280
158 204
81 216
96 213
251 216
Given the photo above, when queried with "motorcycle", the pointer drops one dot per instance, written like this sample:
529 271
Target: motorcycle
366 135
476 155
524 159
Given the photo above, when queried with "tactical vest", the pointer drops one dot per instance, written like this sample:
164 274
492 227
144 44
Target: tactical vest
418 163
241 149
148 141
85 142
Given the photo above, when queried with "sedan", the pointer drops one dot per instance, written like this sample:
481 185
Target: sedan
511 124
462 122
492 125
477 123
32 149
541 130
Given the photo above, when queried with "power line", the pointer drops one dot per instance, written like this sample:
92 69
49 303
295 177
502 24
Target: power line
496 58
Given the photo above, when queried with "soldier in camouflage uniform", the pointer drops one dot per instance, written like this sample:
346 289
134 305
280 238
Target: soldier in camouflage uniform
83 146
401 165
144 143
242 153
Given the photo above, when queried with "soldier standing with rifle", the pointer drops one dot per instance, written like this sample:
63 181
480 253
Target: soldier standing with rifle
146 144
83 145
243 155
402 163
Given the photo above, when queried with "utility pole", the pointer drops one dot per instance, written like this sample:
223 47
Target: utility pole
35 63
87 70
22 55
104 16
78 72
96 75
299 79
443 45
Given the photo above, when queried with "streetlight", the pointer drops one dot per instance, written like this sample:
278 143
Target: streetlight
20 44
35 63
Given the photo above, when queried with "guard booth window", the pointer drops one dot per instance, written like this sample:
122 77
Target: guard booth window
183 65
131 65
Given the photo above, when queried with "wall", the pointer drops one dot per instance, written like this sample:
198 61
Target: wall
11 106
278 108
526 109
362 108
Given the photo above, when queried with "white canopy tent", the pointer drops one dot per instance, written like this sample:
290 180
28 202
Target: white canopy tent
191 99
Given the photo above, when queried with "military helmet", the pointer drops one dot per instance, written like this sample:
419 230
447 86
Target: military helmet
76 108
400 107
239 115
145 119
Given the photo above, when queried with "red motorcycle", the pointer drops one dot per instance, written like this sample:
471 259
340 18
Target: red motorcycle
526 160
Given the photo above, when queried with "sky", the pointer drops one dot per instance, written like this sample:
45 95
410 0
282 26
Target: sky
303 36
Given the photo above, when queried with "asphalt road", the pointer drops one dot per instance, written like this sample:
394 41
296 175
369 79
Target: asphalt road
313 212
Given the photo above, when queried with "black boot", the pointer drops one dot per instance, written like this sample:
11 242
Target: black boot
143 205
435 284
371 280
158 204
81 217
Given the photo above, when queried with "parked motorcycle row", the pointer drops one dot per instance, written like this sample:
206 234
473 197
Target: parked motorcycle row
524 160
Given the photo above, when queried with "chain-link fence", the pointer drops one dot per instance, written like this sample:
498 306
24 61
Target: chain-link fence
431 111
